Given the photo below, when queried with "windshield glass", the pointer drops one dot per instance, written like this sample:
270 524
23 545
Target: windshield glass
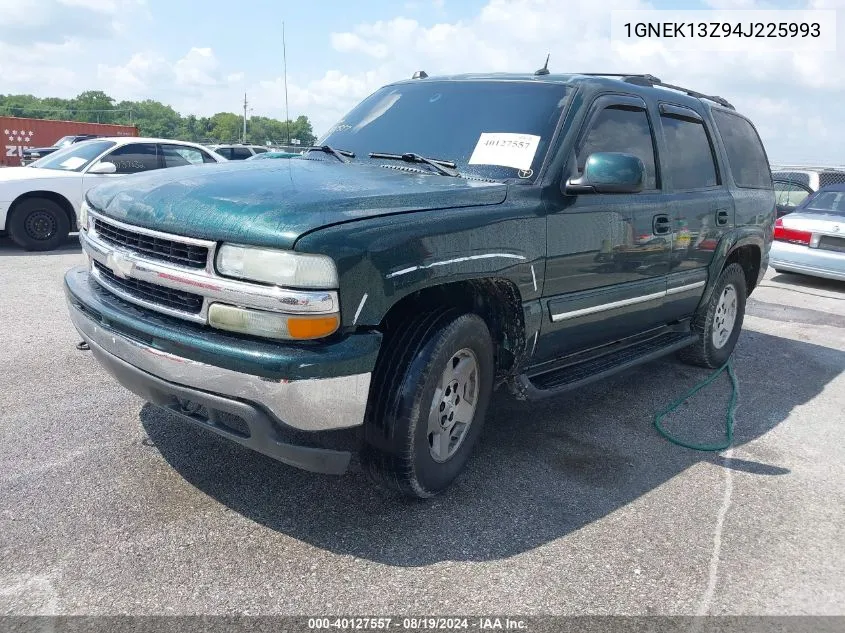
832 202
65 140
490 129
73 157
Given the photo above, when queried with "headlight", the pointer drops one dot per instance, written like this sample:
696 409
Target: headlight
82 219
283 268
271 324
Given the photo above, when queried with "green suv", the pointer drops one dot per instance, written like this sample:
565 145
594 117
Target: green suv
448 237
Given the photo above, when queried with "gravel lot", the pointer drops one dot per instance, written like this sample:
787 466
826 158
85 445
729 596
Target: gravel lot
573 506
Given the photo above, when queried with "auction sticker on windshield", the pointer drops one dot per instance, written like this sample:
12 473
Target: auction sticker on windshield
505 149
73 162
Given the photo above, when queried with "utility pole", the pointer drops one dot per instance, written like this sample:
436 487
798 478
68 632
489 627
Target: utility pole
285 61
245 104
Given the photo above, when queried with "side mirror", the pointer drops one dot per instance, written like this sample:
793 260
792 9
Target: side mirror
609 172
103 167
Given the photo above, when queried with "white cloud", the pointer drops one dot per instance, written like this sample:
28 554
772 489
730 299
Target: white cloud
793 98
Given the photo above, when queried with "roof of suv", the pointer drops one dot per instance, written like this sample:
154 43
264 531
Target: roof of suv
641 84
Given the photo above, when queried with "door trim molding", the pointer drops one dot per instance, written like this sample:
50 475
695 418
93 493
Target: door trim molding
562 316
572 314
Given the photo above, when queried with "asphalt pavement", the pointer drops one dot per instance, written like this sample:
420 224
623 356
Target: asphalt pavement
571 506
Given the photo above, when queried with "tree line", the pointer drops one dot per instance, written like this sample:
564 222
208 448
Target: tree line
158 120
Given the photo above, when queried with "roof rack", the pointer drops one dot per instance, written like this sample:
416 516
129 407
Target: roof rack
651 80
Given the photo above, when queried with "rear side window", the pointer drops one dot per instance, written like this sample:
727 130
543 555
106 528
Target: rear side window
240 153
625 130
225 152
746 155
689 161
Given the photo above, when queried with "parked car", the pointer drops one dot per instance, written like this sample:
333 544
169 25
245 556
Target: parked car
789 194
272 154
236 151
439 243
811 239
32 154
39 202
813 177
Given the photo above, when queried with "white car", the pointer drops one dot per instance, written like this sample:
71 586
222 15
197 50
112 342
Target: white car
39 202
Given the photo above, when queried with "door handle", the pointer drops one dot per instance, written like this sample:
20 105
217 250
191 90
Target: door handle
660 224
721 217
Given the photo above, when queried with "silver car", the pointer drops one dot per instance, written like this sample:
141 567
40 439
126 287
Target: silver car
811 239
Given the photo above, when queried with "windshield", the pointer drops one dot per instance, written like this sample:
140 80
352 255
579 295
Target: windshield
74 157
489 129
829 202
65 140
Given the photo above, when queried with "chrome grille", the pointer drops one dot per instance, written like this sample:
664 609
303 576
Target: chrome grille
158 248
152 293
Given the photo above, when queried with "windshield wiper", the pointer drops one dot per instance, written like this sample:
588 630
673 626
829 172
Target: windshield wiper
444 167
340 154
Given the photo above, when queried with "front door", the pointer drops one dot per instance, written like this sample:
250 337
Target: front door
608 254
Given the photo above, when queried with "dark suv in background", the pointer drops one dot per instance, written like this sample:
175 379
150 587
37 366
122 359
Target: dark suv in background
32 154
447 237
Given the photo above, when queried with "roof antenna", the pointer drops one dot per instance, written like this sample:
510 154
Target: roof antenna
545 69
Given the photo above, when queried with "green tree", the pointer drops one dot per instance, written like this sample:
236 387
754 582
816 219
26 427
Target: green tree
94 106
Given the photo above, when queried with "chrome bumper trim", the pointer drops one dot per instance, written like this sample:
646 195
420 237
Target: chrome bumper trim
309 405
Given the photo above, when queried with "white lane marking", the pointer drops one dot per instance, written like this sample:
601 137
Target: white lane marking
713 575
457 260
360 307
533 277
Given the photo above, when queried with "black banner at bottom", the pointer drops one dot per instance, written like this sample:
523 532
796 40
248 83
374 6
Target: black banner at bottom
528 624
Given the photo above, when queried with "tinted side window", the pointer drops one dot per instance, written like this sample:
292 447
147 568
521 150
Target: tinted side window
746 155
134 158
259 150
689 159
178 156
240 153
225 152
618 129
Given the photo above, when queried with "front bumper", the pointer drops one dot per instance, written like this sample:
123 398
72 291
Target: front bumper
816 262
163 361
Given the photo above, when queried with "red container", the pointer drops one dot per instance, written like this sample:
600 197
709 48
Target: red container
19 134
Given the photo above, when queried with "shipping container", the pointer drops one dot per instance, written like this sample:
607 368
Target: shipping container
20 134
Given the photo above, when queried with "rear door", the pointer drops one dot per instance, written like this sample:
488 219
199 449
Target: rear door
700 204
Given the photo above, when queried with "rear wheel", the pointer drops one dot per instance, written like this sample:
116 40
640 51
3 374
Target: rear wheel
428 401
720 321
38 224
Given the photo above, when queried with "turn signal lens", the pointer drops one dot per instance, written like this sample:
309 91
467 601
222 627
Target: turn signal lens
312 327
271 324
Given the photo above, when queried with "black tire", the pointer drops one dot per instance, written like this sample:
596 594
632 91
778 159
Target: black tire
396 451
705 352
38 224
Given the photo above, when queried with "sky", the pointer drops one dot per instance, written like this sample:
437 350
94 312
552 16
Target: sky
201 57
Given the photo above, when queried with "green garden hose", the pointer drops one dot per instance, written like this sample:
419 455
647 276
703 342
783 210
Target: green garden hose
729 417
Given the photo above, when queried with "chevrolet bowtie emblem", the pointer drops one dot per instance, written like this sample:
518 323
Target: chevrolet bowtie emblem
120 265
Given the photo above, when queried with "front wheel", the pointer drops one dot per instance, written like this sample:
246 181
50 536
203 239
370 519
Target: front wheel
38 224
720 321
428 400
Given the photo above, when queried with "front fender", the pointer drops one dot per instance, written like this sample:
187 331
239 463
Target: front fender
383 260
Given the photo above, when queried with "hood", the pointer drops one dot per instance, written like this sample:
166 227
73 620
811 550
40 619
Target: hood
16 174
273 203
